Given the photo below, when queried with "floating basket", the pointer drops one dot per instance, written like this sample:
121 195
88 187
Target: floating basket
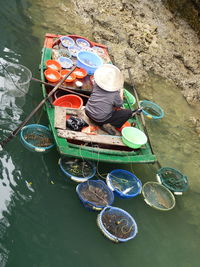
117 224
151 110
77 170
124 183
95 194
36 138
173 179
158 196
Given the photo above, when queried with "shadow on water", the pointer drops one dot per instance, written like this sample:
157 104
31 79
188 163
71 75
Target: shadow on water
42 222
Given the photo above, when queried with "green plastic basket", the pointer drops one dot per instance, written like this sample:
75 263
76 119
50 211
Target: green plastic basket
130 99
133 137
173 179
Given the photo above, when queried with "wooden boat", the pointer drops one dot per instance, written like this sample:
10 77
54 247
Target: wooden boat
100 146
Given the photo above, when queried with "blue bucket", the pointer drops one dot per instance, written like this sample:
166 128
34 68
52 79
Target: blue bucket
95 194
88 61
36 138
124 183
117 224
79 175
151 110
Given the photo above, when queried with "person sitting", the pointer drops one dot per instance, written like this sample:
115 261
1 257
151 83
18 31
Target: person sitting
104 106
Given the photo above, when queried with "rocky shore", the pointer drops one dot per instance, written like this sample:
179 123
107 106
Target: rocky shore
147 37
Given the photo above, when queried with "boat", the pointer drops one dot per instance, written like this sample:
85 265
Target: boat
96 147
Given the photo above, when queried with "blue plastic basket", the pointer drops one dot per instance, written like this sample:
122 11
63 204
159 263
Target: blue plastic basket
151 110
82 43
65 62
73 50
124 183
67 166
97 187
88 61
121 227
67 41
35 136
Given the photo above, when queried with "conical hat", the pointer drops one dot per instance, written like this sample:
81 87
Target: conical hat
109 78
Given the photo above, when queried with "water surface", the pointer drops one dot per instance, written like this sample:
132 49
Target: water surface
42 222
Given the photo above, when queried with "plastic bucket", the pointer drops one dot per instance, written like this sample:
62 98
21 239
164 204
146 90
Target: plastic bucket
130 99
17 79
120 226
70 78
151 110
133 137
124 183
88 61
36 138
52 75
69 101
53 64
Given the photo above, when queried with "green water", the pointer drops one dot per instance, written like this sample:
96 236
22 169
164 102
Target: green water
42 223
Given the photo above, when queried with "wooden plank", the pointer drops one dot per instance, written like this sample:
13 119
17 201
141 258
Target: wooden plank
101 139
60 117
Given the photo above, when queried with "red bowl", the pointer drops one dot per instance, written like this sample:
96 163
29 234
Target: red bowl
70 78
80 73
52 75
53 64
69 101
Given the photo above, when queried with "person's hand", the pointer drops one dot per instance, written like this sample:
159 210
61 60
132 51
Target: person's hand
121 93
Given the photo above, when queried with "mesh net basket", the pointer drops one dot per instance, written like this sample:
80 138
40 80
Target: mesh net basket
173 179
124 183
36 138
117 224
151 110
78 170
158 196
95 194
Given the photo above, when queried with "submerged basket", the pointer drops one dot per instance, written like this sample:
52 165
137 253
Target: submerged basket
124 183
158 196
173 179
78 170
151 110
36 138
117 224
95 194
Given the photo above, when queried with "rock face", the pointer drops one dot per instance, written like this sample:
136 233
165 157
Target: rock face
147 37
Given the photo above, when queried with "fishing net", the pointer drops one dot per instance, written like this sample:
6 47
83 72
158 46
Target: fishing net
78 170
95 194
124 183
117 224
17 79
173 179
158 196
36 137
151 110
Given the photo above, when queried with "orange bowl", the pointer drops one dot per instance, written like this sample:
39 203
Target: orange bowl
70 101
126 124
53 64
52 75
80 73
70 78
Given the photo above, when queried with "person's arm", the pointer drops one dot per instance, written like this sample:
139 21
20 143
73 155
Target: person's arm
121 93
